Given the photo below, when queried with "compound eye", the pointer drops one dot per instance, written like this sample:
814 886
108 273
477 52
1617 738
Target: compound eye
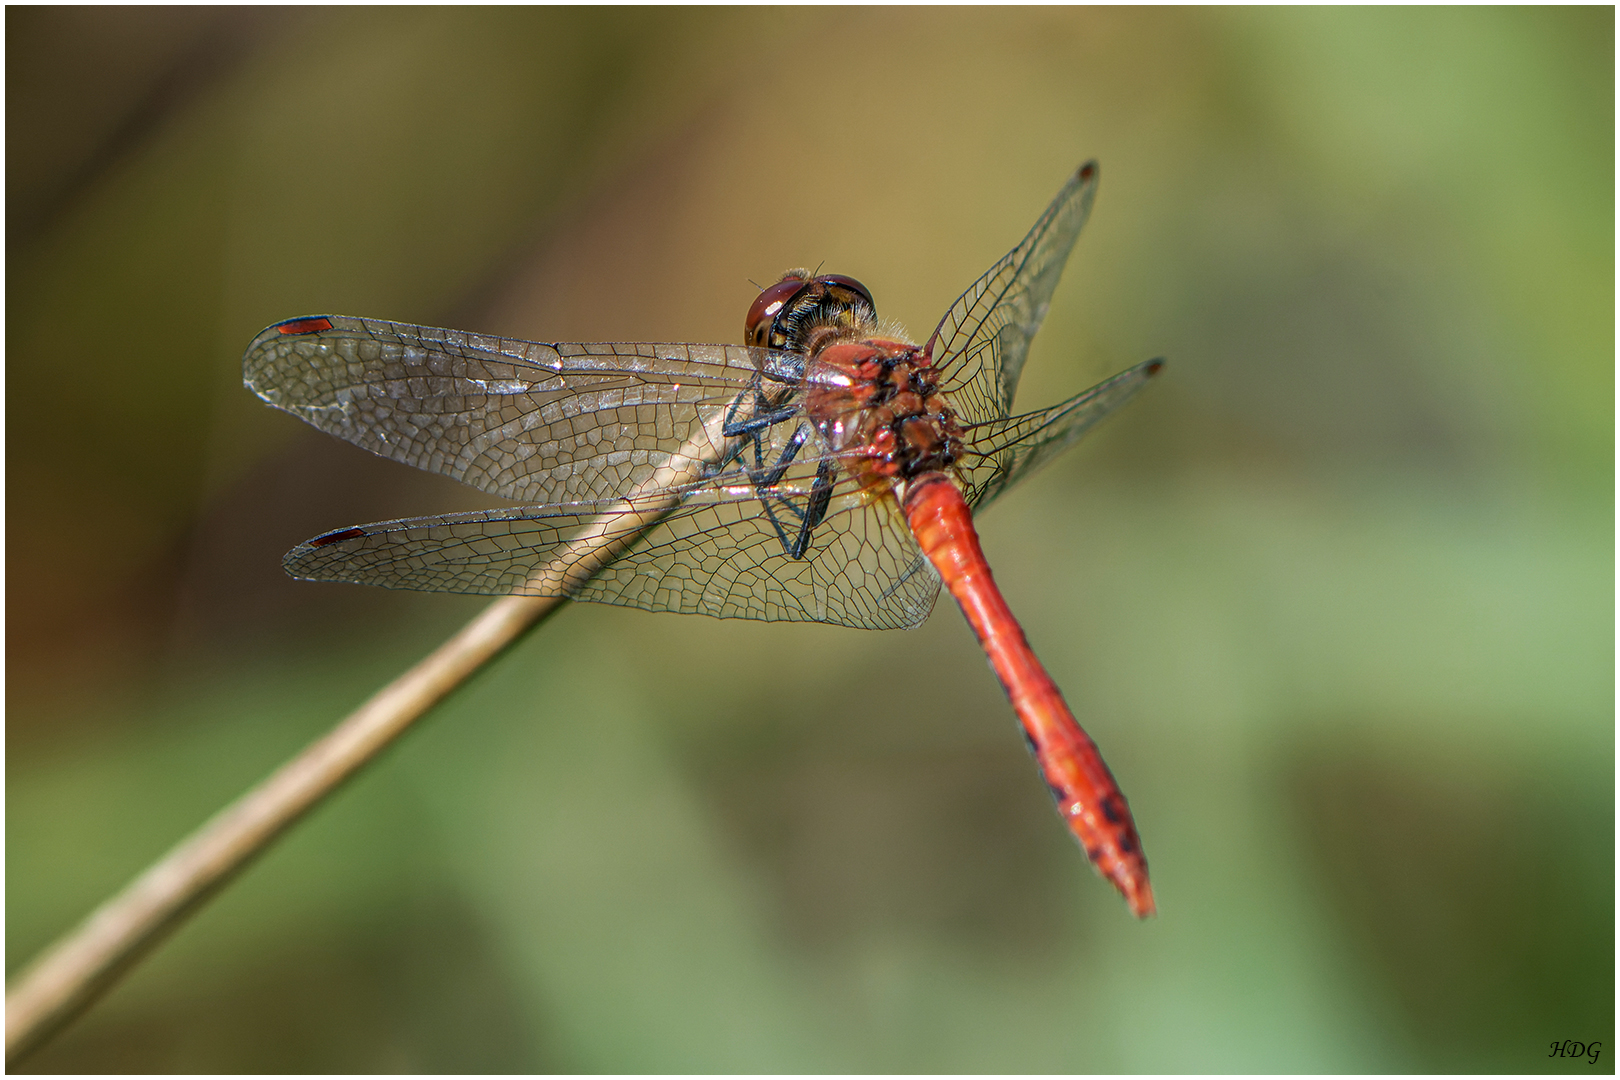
845 282
763 311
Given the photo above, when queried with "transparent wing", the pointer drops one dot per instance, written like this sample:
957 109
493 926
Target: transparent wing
691 467
529 421
1001 453
709 555
984 338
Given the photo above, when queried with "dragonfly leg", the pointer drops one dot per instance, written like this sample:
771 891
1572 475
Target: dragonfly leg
730 428
820 498
759 476
760 420
765 414
763 480
810 517
781 533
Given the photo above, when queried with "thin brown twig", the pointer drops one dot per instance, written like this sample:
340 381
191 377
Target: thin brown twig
72 973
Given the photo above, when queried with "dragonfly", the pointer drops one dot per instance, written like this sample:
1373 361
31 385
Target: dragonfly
824 470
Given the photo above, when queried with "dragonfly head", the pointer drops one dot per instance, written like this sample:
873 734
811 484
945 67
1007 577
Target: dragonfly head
785 315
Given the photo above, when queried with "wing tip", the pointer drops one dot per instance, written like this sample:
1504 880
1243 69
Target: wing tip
304 562
254 356
1153 367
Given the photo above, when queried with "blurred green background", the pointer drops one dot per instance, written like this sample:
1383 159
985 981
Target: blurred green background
1335 596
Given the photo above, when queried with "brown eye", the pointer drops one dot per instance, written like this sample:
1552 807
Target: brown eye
763 311
787 314
845 282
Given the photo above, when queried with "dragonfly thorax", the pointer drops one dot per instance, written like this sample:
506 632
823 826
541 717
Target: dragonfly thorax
877 403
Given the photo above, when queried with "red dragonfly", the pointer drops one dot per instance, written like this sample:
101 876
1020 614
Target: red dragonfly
822 471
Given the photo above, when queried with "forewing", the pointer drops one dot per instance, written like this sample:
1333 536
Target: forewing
984 338
709 555
1003 452
529 421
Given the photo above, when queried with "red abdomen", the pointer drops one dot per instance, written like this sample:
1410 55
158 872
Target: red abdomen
1087 796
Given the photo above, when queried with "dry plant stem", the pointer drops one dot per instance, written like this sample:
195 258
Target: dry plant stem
77 969
72 973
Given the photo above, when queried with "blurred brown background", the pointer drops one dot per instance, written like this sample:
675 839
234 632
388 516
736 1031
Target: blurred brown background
1335 596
